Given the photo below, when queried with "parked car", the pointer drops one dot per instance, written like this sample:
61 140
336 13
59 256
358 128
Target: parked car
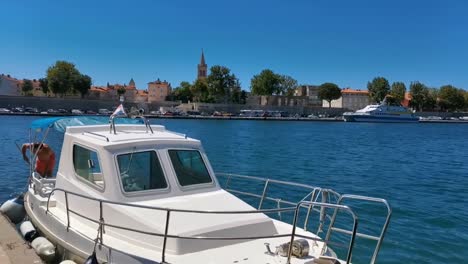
52 111
17 110
4 110
30 110
193 113
90 112
62 111
104 111
76 112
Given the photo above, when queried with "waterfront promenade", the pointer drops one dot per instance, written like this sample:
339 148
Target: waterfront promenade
200 117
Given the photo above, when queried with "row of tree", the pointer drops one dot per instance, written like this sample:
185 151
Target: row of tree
61 78
423 98
220 86
270 83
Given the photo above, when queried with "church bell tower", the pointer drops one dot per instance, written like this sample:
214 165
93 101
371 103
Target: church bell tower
202 68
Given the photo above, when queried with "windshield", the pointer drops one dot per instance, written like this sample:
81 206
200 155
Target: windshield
141 171
189 167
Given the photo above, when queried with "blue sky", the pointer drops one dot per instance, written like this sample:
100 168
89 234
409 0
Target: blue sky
314 41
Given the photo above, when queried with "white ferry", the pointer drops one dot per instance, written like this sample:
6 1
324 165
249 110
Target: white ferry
139 193
381 113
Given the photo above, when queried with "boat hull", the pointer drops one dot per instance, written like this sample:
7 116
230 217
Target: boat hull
380 119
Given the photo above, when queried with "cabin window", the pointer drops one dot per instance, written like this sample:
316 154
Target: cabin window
141 171
86 163
189 167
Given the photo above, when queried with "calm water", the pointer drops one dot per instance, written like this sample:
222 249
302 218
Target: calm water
421 169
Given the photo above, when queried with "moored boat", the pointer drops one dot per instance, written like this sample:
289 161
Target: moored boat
139 193
382 113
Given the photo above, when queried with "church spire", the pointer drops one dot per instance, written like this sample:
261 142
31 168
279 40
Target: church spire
202 60
202 67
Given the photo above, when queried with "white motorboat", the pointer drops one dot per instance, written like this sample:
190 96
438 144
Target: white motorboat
382 113
136 193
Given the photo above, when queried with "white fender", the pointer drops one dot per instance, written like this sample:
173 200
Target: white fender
14 209
68 262
28 231
44 248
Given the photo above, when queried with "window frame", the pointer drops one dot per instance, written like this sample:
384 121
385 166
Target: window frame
142 192
192 186
92 184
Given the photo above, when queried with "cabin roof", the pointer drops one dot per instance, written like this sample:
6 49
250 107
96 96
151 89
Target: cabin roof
102 135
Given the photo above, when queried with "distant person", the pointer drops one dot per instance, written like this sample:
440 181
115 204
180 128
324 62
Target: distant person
45 160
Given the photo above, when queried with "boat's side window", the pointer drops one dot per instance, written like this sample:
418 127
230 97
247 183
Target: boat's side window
86 163
189 167
141 171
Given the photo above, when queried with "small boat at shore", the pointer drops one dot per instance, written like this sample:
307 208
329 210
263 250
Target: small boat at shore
382 113
139 193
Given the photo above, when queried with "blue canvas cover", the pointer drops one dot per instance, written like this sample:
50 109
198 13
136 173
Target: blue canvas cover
61 123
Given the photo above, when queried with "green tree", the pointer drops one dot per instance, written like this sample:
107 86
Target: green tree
82 84
221 83
419 94
329 92
27 87
243 97
465 95
287 85
451 98
44 85
121 91
183 92
430 96
199 91
378 88
398 91
266 83
62 77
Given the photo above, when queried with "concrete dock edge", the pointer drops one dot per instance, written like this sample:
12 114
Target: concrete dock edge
13 248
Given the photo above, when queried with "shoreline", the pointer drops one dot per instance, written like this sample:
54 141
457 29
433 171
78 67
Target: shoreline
304 119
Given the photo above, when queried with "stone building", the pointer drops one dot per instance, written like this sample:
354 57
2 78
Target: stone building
202 68
350 99
310 91
158 90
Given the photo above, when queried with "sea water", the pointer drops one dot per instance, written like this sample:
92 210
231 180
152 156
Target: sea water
421 169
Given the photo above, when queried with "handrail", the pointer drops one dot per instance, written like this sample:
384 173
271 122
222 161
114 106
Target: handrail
168 211
96 134
337 207
313 195
384 227
145 122
314 192
171 209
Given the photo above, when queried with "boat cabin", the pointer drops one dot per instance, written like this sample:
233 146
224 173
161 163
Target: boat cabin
133 164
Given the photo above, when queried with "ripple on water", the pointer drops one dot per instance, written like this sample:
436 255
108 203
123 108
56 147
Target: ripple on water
421 169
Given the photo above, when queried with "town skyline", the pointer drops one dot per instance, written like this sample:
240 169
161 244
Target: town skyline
314 42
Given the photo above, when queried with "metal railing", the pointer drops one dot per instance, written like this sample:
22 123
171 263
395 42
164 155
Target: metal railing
112 128
295 208
315 194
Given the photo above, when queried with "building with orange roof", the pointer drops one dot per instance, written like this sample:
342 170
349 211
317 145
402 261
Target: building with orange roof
141 97
352 99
